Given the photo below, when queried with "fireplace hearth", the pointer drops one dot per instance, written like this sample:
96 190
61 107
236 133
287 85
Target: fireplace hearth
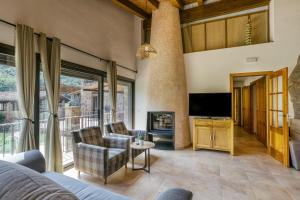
161 129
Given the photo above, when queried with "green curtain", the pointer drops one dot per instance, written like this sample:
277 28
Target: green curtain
112 86
25 74
51 66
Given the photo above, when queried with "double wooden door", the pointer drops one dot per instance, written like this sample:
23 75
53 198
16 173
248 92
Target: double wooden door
278 116
260 110
246 109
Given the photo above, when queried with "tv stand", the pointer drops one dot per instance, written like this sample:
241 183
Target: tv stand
214 134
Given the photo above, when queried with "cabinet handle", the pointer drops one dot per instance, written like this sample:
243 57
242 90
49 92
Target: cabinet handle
214 136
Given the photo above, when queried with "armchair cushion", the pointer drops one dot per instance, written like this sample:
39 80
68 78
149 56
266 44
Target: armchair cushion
119 127
91 135
130 137
116 142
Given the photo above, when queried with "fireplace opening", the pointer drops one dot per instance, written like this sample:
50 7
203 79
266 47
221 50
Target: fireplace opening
161 129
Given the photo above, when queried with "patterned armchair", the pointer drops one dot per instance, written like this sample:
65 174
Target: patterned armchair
97 155
118 129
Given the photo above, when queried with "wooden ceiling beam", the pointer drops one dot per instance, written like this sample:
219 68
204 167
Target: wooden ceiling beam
178 3
219 8
155 3
131 7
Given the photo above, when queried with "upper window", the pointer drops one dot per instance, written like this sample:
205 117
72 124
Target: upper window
229 32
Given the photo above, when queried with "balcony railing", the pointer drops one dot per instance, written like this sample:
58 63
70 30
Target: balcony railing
10 133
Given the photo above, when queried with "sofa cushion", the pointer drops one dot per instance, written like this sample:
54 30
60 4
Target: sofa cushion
21 183
82 190
91 135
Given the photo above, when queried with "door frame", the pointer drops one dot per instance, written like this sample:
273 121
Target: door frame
244 74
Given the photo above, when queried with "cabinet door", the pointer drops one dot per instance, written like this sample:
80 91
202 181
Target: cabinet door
204 137
221 138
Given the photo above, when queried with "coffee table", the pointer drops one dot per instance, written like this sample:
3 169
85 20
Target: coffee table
146 147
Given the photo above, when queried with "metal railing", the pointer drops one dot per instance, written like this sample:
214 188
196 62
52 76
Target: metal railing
10 133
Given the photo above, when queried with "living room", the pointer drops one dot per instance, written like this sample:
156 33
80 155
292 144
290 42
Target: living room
136 99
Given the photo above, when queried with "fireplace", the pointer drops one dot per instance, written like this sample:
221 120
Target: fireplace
161 129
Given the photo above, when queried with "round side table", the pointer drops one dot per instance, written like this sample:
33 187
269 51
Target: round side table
146 147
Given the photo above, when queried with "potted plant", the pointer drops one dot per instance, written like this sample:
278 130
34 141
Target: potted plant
141 139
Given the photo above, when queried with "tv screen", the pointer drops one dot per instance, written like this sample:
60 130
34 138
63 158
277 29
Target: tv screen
210 104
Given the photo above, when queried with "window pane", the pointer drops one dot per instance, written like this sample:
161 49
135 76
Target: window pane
124 103
10 118
78 108
279 83
44 113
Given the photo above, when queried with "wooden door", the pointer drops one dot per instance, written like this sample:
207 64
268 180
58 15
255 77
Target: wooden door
204 137
253 108
237 106
261 110
278 116
221 138
246 108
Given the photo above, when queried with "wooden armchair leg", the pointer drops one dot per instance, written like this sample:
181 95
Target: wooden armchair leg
105 180
126 166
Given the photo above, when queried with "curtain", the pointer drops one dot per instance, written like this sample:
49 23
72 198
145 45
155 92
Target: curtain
25 74
112 86
51 65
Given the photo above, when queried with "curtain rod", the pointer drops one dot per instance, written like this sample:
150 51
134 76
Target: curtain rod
76 49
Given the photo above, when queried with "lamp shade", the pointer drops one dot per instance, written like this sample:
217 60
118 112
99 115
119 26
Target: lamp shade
145 51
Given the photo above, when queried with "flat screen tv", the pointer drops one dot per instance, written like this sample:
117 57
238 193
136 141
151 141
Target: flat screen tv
210 104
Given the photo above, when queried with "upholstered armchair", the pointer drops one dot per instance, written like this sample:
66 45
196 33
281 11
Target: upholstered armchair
118 129
97 155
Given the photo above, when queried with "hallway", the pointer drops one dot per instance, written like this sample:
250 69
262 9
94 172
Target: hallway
210 175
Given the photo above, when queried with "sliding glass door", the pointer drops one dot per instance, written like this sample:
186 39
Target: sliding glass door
79 107
10 118
124 103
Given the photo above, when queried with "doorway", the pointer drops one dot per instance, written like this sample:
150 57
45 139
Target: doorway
261 101
250 100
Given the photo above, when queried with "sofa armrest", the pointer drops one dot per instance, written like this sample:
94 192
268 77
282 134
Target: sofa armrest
33 159
117 142
176 194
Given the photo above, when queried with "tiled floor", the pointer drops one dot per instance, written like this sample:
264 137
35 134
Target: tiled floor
209 175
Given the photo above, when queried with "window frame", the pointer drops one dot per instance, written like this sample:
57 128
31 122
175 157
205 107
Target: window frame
10 50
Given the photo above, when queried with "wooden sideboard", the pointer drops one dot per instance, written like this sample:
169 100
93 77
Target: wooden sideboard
214 134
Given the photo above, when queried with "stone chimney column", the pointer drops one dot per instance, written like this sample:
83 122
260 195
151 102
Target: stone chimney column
166 85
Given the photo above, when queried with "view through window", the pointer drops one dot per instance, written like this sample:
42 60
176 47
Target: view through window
124 103
10 119
78 108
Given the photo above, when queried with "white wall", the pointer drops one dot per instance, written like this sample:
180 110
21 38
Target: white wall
209 71
95 26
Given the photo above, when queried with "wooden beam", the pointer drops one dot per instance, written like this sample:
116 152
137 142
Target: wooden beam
219 8
155 3
178 3
131 7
